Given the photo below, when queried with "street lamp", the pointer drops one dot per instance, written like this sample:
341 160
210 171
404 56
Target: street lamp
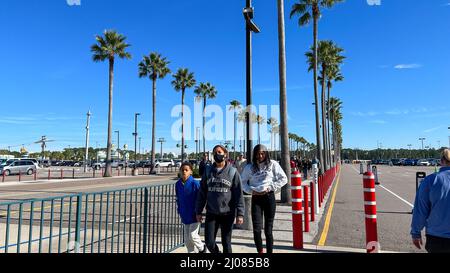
161 140
140 148
118 141
86 157
449 139
135 134
422 139
250 27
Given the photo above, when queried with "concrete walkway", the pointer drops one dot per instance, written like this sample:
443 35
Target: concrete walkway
242 240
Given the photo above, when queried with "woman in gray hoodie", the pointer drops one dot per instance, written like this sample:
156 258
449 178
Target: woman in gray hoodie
221 192
262 179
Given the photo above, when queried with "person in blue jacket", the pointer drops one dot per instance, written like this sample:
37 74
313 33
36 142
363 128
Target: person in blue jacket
432 210
186 191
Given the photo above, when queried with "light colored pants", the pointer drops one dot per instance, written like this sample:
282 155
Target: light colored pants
192 238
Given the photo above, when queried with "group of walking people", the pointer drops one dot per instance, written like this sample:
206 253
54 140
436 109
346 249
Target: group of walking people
221 192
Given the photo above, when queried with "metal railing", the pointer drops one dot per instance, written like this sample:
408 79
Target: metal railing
133 220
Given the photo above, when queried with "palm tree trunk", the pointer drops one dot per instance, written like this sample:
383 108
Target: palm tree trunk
259 133
182 125
328 128
316 99
204 121
234 142
110 112
324 126
153 125
285 191
244 137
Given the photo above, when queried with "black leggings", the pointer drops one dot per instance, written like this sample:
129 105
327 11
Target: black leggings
263 205
212 224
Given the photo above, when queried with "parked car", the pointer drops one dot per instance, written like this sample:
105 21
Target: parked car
9 161
45 163
78 164
396 161
19 166
164 163
423 162
434 162
98 165
115 164
144 164
408 162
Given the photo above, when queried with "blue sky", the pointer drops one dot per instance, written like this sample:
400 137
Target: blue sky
396 86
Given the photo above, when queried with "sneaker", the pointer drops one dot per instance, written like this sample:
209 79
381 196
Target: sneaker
204 249
261 251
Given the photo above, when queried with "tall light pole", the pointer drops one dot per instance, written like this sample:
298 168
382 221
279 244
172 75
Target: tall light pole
409 145
140 147
161 140
422 139
250 27
135 134
86 156
449 139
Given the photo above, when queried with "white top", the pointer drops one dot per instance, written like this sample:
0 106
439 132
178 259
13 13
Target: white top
271 177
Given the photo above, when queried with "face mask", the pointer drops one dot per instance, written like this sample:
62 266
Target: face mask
219 158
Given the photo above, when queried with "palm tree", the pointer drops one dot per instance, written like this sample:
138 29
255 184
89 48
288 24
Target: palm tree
235 105
106 48
259 120
276 130
242 118
307 10
154 67
335 75
272 122
335 116
183 79
285 191
205 91
328 57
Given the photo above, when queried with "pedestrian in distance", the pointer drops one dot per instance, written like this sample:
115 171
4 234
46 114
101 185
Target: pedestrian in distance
203 164
262 179
221 193
432 210
240 163
186 192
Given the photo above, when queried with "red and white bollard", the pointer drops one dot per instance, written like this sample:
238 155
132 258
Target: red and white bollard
297 209
370 209
313 206
306 206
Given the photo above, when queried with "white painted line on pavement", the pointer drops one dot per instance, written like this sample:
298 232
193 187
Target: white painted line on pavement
409 204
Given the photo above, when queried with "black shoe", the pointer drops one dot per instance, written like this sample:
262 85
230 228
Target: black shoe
204 249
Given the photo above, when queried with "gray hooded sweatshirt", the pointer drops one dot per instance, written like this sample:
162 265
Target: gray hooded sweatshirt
221 192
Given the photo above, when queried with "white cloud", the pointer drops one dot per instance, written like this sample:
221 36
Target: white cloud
433 129
408 66
378 121
367 114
